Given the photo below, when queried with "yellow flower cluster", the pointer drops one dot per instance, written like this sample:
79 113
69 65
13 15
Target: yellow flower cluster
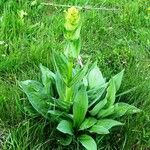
72 18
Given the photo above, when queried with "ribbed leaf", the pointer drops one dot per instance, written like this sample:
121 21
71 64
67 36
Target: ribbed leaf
36 96
65 127
60 86
98 107
46 74
80 107
95 94
121 109
72 48
109 123
87 123
88 142
95 77
61 65
99 129
102 126
47 78
79 75
106 112
118 79
111 93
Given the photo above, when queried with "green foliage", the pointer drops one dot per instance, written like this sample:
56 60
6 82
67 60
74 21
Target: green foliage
48 78
88 142
81 98
80 107
95 73
108 123
87 123
61 64
117 39
65 127
79 75
36 95
111 93
98 107
123 108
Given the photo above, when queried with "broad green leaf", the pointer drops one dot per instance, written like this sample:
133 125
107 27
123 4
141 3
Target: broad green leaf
61 65
121 109
88 142
65 127
108 123
98 129
75 47
65 140
79 75
47 78
98 107
111 93
80 107
102 126
75 88
95 94
95 77
106 112
87 123
72 48
118 79
46 74
60 86
34 92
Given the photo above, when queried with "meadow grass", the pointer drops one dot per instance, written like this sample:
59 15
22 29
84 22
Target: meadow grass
118 39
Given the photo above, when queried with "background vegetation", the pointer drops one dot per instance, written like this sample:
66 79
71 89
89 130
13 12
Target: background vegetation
118 39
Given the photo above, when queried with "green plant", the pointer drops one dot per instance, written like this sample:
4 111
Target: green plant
76 96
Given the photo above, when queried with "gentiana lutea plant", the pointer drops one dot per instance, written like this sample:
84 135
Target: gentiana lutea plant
77 97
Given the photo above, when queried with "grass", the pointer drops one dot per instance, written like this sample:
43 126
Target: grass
118 39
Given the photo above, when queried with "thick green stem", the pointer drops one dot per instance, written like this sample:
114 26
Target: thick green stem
68 93
69 89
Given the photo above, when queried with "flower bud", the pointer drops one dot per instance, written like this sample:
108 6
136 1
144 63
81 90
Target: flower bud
72 19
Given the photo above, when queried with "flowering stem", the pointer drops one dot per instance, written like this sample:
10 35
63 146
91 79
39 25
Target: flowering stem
69 89
68 93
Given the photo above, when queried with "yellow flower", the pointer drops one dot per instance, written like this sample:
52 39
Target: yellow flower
72 18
